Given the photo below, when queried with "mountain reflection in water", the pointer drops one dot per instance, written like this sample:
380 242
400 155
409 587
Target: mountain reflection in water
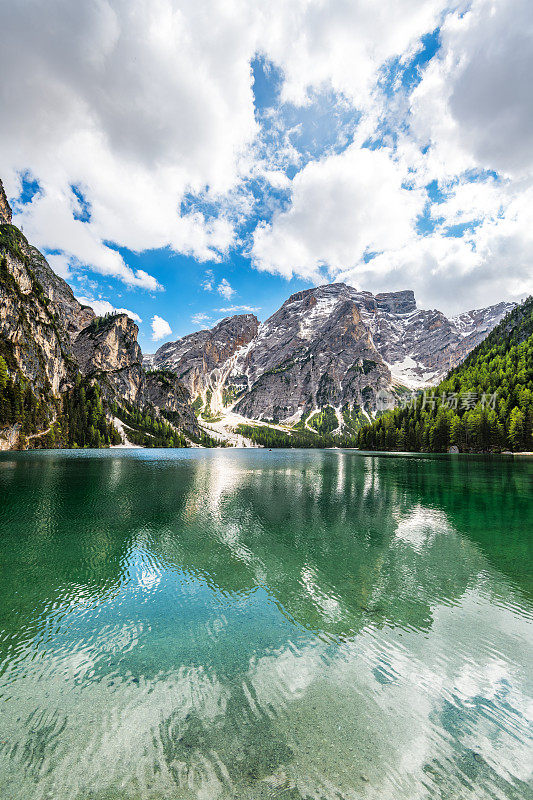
253 624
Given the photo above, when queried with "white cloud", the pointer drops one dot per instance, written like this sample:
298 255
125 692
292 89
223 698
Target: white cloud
160 328
143 104
474 110
101 307
225 289
239 309
340 45
200 318
48 223
342 207
474 104
492 262
138 103
208 282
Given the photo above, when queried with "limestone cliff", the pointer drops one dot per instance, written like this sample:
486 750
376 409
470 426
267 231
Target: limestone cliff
107 349
32 338
5 208
202 360
48 340
331 345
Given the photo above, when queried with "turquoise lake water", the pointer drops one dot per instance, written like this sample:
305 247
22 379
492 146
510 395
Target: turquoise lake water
251 624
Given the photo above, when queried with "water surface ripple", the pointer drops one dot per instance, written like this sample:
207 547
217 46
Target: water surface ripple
254 625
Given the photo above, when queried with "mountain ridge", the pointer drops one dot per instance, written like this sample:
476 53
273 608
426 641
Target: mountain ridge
66 374
327 345
327 353
483 404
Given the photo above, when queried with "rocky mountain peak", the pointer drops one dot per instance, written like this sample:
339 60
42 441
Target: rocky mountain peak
112 343
329 344
237 330
203 359
329 289
5 208
402 302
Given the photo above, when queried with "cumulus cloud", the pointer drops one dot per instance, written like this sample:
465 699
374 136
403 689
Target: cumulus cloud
225 289
101 307
342 207
139 102
490 262
49 224
474 105
466 128
123 110
134 102
160 328
341 45
200 319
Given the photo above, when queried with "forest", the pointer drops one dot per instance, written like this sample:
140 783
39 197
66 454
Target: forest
79 418
483 405
266 436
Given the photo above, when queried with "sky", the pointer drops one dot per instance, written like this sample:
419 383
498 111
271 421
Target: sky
186 160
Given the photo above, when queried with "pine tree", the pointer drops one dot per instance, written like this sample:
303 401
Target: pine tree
4 375
517 429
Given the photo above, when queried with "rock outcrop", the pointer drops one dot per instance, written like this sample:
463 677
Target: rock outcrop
331 345
163 390
32 339
5 208
202 360
107 349
49 338
72 315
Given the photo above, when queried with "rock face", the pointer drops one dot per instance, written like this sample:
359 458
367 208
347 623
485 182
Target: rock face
164 390
315 351
50 338
107 349
5 208
203 360
31 337
72 315
331 345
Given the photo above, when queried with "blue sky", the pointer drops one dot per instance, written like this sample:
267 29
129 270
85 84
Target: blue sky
219 156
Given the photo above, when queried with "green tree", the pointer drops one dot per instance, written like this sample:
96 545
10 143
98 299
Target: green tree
517 429
3 374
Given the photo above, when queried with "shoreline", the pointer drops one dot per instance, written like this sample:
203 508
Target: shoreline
129 446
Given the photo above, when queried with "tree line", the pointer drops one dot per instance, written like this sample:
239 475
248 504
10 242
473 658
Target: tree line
265 436
484 404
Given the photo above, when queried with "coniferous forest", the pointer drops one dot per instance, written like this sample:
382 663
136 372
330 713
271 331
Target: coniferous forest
484 404
80 418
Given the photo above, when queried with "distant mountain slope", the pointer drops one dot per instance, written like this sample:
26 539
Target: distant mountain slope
486 403
65 373
327 346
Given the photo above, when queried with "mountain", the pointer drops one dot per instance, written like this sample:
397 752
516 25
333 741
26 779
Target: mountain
320 363
55 354
328 346
484 404
203 360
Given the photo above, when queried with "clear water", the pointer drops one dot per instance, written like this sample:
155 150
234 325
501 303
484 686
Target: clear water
254 624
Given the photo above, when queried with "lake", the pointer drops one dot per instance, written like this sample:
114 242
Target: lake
253 624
